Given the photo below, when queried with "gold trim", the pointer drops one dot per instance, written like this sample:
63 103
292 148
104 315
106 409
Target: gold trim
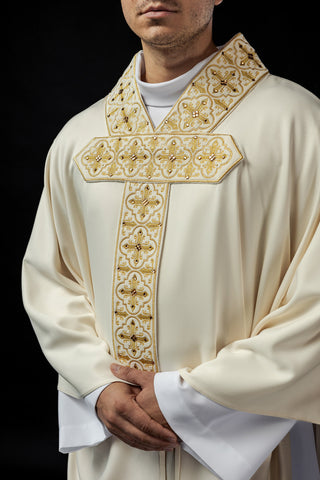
181 149
136 267
213 93
159 158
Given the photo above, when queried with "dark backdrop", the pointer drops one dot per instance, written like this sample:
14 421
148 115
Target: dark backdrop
58 59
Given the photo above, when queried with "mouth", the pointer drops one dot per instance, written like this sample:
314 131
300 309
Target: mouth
158 11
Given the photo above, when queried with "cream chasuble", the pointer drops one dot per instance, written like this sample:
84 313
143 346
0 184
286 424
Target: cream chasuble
190 247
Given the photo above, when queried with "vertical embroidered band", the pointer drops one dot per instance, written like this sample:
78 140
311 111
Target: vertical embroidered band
139 244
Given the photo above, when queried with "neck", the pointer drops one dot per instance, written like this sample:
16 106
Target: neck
164 64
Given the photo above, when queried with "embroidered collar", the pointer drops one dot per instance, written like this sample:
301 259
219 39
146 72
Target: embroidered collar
209 97
183 148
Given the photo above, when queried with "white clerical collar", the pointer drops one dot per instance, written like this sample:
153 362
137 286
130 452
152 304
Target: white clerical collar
165 94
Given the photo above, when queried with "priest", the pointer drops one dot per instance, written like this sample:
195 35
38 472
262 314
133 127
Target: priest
172 273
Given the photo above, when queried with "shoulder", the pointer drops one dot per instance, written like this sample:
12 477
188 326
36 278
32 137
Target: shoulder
84 125
277 124
75 134
291 114
291 123
279 96
277 109
72 138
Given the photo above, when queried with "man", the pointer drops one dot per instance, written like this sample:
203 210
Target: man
172 275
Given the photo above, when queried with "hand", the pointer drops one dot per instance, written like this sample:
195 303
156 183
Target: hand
118 410
146 397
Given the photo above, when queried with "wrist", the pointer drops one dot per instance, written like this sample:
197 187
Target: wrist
92 398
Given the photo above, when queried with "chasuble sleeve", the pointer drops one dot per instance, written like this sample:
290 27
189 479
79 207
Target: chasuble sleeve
276 370
56 285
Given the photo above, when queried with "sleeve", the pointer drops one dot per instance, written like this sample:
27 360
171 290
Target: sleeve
223 440
56 285
276 370
79 425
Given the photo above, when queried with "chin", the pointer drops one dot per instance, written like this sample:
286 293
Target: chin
160 37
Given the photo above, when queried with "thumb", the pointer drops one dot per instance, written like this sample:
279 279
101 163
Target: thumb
131 375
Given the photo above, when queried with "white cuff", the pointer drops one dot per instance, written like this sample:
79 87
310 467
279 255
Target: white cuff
92 398
79 425
225 441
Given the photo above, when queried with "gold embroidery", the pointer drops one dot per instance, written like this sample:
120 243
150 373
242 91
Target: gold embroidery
125 111
220 85
165 158
181 149
136 267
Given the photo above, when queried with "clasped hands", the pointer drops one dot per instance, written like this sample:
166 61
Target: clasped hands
132 413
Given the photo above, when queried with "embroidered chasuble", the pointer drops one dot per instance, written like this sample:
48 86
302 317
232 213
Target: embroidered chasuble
192 246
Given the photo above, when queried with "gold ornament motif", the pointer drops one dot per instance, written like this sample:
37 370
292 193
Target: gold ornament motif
135 276
219 87
125 112
164 158
182 149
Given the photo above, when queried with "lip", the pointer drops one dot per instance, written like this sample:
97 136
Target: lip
158 11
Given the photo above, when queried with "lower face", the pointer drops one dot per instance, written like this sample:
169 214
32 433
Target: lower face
168 23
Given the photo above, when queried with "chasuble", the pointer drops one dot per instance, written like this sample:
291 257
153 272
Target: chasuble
191 246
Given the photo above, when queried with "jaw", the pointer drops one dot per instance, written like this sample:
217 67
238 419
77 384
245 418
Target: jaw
172 40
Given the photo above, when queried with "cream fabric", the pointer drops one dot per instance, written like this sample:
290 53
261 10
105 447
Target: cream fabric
241 256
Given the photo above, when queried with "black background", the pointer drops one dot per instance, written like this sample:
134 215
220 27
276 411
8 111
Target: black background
58 59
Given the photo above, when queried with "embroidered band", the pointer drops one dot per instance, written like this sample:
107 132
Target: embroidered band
219 87
161 157
182 149
136 272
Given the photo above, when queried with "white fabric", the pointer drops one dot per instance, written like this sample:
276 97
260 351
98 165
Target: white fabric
160 97
226 441
92 398
79 425
223 440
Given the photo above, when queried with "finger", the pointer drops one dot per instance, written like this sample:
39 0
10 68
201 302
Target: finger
134 437
122 415
143 422
131 375
123 423
130 411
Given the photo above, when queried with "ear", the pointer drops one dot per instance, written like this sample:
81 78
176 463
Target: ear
217 2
